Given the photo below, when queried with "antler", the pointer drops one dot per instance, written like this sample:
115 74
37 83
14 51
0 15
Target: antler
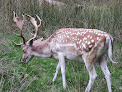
19 24
34 22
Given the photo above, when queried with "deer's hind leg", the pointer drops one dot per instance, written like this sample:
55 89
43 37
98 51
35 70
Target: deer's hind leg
104 68
89 63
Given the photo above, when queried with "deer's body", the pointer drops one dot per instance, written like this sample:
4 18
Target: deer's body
75 42
72 43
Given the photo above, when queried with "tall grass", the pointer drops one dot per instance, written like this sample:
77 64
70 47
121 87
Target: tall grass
105 15
36 76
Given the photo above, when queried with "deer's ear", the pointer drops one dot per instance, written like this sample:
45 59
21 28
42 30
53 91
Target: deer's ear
30 43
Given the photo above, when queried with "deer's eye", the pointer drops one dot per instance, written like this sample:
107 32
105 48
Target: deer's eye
24 51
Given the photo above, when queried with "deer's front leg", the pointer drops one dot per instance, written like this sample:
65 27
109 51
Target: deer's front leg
62 65
57 70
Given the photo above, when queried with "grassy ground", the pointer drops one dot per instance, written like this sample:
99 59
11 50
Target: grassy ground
37 75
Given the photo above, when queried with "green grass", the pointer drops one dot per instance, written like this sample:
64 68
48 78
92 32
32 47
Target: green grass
37 75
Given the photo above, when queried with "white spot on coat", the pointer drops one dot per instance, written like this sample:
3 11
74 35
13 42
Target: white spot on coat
91 37
89 42
84 46
90 46
95 45
97 38
92 40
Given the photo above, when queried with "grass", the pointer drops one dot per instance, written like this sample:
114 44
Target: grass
37 75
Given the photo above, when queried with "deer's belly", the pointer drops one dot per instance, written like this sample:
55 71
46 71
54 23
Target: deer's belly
72 56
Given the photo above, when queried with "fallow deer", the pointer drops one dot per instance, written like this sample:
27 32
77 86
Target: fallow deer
91 45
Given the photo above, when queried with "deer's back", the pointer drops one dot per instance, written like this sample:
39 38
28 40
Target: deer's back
76 41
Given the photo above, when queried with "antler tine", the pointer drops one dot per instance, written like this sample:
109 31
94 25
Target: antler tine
19 24
39 20
34 22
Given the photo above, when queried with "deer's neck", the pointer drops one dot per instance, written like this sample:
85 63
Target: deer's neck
41 48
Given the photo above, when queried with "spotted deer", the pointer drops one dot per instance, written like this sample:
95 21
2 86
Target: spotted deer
89 45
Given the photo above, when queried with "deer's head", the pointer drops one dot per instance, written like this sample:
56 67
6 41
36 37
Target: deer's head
27 46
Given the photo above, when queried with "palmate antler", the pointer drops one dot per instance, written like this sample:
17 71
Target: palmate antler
34 22
19 24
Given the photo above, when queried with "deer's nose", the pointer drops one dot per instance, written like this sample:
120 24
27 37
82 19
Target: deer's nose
23 61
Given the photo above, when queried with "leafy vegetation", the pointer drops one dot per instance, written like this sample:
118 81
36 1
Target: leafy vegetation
37 75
